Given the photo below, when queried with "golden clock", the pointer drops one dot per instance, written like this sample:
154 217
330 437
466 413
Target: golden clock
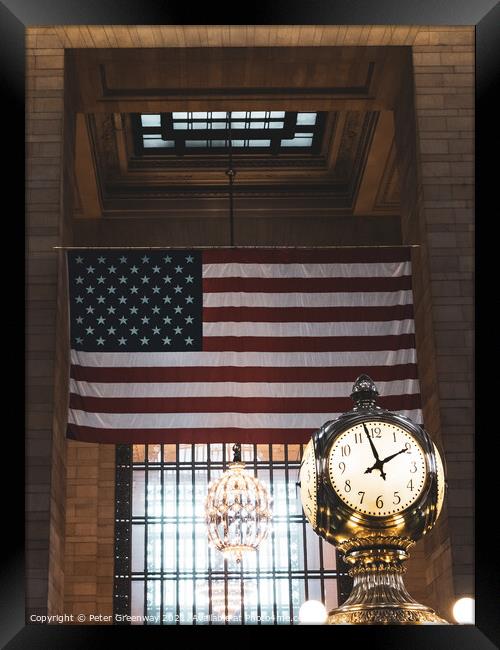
372 483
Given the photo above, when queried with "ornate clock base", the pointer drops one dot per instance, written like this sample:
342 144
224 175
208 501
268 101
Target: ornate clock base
385 616
379 596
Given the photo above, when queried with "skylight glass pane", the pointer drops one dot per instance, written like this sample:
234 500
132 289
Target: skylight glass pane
157 143
206 129
151 120
306 118
297 142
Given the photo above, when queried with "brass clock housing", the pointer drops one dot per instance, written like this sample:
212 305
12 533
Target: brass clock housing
336 521
374 545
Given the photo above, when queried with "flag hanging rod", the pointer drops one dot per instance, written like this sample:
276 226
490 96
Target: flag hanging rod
149 248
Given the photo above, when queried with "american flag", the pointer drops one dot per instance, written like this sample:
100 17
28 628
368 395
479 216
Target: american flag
226 345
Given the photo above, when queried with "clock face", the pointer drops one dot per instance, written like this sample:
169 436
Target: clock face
377 468
308 483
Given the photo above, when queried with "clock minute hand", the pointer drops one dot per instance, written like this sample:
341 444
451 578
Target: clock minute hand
374 451
378 463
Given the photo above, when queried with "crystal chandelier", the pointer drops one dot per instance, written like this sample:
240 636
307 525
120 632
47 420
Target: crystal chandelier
238 510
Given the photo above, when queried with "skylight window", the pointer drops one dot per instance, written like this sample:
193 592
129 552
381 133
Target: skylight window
199 132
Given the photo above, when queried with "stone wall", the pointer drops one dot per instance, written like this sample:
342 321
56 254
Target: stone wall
45 444
444 101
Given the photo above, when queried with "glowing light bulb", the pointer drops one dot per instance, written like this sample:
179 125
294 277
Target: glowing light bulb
463 611
313 612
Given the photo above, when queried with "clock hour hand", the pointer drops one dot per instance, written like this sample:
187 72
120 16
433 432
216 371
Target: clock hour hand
386 460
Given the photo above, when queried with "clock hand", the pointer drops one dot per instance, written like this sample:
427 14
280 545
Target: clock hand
377 465
386 460
374 451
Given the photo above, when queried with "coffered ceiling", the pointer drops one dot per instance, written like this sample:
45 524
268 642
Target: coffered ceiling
352 171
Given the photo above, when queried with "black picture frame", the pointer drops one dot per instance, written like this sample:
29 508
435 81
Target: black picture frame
15 15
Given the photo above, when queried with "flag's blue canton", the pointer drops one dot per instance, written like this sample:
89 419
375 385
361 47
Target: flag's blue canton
135 301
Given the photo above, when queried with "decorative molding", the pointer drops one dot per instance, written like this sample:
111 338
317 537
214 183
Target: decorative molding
378 540
233 93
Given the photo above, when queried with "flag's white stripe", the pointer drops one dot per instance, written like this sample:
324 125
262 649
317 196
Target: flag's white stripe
209 420
382 328
360 270
234 389
351 299
363 360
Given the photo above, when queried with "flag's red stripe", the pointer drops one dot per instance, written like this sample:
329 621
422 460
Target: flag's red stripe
307 256
188 436
309 285
306 314
239 374
307 343
231 404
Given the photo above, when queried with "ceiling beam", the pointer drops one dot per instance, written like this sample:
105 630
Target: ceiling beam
165 79
376 163
86 172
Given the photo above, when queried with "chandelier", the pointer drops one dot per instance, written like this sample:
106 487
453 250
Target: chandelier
238 510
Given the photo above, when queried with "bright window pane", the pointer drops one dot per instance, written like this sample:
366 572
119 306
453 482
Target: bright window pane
297 142
306 118
150 143
175 573
151 120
